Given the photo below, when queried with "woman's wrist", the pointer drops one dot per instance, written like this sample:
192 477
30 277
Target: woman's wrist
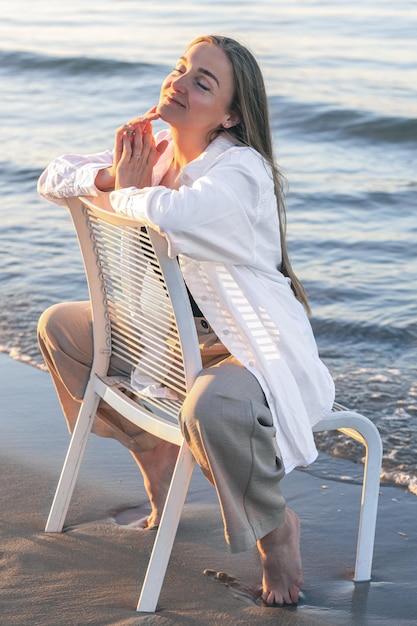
104 180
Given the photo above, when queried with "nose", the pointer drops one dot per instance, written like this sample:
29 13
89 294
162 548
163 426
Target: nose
179 82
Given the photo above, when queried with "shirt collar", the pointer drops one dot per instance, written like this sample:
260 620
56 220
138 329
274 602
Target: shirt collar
198 166
205 160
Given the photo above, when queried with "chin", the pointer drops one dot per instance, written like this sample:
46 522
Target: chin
162 109
164 114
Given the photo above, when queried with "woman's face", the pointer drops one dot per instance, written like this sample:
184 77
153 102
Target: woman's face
197 94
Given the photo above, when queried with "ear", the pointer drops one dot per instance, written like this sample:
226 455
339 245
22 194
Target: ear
231 120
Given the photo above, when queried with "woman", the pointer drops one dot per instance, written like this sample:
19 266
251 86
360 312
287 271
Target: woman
209 184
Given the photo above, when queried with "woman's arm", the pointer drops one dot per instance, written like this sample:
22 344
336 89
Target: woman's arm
212 218
72 175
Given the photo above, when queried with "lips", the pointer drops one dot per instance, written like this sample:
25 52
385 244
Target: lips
174 100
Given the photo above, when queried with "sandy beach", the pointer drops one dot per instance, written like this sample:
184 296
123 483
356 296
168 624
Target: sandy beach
91 573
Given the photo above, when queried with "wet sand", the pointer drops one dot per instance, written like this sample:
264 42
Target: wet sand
91 573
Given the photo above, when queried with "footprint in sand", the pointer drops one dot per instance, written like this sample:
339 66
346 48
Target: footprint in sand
240 590
134 517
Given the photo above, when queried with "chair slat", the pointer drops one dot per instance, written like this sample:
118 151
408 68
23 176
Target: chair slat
142 321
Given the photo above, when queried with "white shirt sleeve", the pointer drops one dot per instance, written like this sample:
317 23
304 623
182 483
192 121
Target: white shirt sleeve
212 219
72 175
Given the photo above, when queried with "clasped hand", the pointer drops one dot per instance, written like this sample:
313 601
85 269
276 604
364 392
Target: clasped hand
135 154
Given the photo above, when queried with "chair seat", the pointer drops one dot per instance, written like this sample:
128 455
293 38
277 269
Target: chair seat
156 415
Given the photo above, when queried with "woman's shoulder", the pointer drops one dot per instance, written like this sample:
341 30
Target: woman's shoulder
241 156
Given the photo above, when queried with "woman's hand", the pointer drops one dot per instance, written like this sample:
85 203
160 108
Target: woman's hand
130 141
139 155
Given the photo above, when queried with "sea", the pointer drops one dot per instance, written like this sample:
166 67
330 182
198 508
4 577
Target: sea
342 86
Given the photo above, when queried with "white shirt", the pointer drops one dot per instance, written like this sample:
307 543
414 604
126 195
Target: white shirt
222 224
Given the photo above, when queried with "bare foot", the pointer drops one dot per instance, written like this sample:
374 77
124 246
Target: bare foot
281 562
156 466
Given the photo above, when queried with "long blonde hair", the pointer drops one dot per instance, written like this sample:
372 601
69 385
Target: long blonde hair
250 104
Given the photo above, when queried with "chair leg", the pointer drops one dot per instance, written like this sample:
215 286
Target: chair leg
72 462
369 506
165 537
362 429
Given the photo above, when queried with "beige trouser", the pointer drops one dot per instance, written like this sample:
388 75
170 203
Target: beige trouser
225 421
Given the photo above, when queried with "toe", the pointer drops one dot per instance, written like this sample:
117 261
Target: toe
272 598
275 598
294 593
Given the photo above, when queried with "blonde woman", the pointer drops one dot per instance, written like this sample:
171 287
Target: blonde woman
210 185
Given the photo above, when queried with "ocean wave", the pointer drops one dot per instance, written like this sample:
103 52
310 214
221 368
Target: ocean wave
341 123
339 448
402 198
27 62
16 174
286 114
353 332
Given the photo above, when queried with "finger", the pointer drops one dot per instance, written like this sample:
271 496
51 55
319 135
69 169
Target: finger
129 130
137 143
149 116
152 114
124 129
127 149
142 150
160 149
118 141
153 110
150 141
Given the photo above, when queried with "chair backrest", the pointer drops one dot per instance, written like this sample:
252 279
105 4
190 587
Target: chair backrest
141 311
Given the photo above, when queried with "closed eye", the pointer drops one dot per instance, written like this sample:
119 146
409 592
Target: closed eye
181 70
203 86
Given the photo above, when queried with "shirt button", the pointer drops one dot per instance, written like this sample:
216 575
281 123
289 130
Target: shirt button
225 332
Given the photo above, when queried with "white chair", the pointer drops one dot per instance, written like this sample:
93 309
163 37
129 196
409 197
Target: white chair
142 315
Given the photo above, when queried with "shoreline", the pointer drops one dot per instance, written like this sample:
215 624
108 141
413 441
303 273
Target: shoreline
326 466
91 573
